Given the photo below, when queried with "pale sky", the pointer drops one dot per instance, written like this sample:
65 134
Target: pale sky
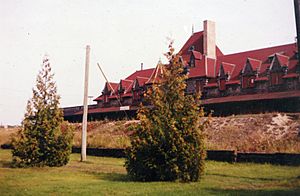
122 34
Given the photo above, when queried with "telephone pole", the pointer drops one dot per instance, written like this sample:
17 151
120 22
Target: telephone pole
85 106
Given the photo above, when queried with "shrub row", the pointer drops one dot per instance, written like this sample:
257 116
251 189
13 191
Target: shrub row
214 155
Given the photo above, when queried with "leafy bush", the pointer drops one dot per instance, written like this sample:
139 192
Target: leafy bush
168 143
43 140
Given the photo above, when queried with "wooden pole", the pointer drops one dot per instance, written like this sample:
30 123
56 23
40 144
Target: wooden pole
297 17
85 106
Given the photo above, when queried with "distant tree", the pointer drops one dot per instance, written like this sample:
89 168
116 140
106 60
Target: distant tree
168 144
44 139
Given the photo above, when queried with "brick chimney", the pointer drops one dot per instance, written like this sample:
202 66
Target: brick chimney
209 39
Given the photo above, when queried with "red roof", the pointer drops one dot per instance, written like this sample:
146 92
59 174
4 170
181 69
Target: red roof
141 73
196 40
239 59
126 85
142 80
228 68
197 54
199 69
112 86
255 64
292 65
283 60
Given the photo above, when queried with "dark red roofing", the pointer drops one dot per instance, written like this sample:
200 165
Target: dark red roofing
228 68
199 70
112 86
141 73
142 80
126 85
196 40
292 65
255 64
197 54
239 59
283 60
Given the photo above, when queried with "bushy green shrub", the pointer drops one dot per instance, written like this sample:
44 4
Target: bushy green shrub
43 140
168 143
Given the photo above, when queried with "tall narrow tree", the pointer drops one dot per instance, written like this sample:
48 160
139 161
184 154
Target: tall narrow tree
168 144
42 141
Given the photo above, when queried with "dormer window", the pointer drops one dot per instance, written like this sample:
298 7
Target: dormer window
192 48
192 62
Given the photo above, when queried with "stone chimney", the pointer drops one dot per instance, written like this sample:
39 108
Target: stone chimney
209 39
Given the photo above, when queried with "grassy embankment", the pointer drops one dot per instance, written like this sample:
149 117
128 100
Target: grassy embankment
107 176
271 132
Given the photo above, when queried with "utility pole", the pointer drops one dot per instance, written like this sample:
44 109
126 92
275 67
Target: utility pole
85 106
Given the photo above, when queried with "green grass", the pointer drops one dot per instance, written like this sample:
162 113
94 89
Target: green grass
107 176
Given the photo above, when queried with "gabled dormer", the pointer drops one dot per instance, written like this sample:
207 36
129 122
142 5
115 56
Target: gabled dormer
224 74
195 57
105 91
249 72
109 89
279 63
120 88
278 68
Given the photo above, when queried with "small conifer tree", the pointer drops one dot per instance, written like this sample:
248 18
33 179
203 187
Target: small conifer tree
168 143
41 141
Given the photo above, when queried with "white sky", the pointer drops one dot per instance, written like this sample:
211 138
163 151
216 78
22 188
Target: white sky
122 34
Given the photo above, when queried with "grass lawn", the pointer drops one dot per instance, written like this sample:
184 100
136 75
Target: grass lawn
107 176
